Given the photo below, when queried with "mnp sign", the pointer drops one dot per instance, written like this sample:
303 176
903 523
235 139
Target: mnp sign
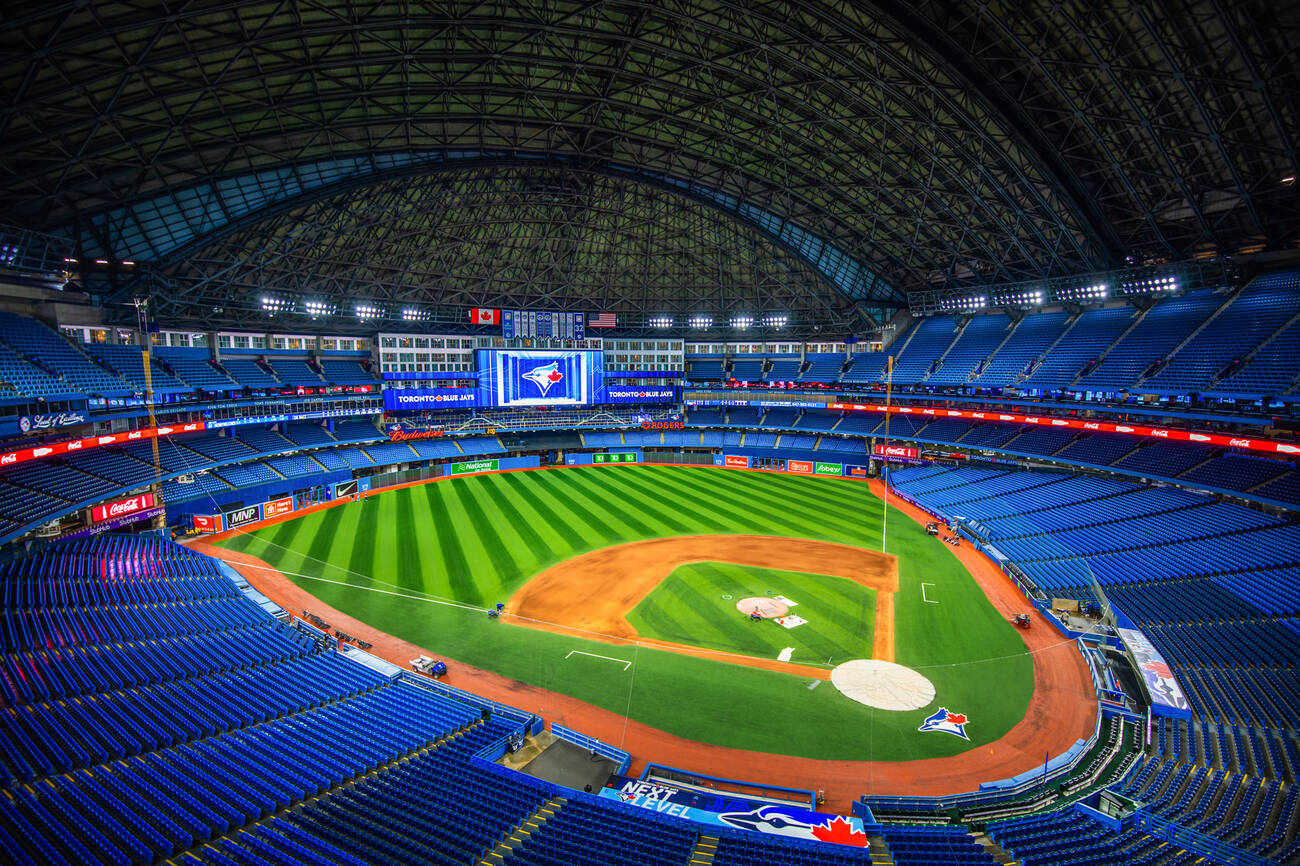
240 516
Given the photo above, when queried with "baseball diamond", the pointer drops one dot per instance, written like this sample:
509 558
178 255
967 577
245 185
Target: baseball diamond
572 551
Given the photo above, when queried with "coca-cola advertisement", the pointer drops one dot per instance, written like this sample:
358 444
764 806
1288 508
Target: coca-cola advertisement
121 507
899 452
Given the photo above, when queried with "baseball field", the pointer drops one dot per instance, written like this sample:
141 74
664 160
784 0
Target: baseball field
626 587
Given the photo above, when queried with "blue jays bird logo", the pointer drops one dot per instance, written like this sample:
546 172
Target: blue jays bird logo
797 823
948 723
544 377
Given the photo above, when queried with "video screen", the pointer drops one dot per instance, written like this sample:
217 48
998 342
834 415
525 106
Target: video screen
539 377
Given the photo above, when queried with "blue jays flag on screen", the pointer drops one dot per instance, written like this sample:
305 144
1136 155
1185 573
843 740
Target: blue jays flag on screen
539 377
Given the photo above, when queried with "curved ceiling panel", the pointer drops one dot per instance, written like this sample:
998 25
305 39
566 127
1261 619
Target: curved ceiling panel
933 143
507 236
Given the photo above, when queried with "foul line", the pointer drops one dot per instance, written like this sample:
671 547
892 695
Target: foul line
626 664
923 598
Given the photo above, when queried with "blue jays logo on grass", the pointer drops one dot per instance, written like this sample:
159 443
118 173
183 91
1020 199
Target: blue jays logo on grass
544 377
948 723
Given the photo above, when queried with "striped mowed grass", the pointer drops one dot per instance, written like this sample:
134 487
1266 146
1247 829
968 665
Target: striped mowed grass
423 562
696 605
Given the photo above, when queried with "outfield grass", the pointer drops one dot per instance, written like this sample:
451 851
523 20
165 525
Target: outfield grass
409 561
696 604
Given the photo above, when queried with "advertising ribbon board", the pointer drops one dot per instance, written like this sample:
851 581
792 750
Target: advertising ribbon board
897 452
121 507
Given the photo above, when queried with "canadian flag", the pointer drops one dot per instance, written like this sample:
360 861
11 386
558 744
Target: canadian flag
480 316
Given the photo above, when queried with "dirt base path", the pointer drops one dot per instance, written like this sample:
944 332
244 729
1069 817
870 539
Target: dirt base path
590 595
1063 707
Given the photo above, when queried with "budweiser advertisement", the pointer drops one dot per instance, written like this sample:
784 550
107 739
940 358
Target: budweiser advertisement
207 522
276 507
900 452
121 507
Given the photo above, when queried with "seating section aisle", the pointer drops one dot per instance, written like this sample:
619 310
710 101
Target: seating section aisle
51 352
1161 329
1026 345
128 362
1070 837
981 336
343 371
1081 344
928 341
1260 310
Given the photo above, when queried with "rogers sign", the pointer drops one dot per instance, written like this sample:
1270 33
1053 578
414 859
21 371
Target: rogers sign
108 510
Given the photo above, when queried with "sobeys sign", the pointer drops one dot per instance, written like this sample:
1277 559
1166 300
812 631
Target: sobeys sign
829 469
474 466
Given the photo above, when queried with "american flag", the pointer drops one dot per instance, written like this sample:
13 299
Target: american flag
602 320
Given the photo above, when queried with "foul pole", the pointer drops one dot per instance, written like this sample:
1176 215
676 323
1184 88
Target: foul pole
884 520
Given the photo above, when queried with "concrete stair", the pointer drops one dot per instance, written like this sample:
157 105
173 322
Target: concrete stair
526 828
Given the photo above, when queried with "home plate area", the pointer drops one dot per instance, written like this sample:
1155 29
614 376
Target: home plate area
765 606
883 685
775 608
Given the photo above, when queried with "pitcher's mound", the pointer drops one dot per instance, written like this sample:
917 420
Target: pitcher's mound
883 685
768 608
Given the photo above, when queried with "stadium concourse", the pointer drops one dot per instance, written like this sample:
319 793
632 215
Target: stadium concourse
554 433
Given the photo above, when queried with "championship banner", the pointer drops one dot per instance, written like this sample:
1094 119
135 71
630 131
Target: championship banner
507 324
240 516
122 507
207 522
736 812
1159 677
472 466
276 507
